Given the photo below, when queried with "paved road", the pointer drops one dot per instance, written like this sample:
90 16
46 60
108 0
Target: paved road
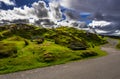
107 67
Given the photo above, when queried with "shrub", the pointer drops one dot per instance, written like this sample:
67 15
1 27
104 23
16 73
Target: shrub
88 54
77 46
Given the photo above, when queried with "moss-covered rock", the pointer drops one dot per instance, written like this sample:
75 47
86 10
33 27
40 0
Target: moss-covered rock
7 50
86 54
77 46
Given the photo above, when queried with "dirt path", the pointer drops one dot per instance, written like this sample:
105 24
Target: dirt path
107 67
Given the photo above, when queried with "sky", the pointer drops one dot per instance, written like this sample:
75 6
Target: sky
103 7
92 12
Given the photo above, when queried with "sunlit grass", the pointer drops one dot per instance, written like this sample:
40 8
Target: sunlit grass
31 55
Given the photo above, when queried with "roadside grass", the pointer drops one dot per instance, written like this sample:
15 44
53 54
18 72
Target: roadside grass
99 51
118 45
118 39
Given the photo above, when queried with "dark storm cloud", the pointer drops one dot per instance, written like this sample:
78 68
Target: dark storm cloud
101 10
72 15
112 6
105 7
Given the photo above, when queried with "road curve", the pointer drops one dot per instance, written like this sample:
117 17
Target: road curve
107 67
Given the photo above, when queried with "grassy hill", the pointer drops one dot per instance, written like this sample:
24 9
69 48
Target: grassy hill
25 46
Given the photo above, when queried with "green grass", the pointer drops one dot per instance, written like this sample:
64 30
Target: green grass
34 55
118 45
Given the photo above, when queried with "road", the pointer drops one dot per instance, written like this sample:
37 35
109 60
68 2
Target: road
107 67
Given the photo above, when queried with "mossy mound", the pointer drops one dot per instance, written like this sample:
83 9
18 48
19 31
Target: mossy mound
7 50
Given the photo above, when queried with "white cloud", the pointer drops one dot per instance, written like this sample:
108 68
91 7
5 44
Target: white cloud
55 13
99 23
65 3
40 9
36 12
105 28
17 13
8 2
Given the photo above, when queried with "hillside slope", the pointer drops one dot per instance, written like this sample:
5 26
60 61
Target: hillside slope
25 46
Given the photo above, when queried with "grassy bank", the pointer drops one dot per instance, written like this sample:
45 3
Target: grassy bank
118 45
26 47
